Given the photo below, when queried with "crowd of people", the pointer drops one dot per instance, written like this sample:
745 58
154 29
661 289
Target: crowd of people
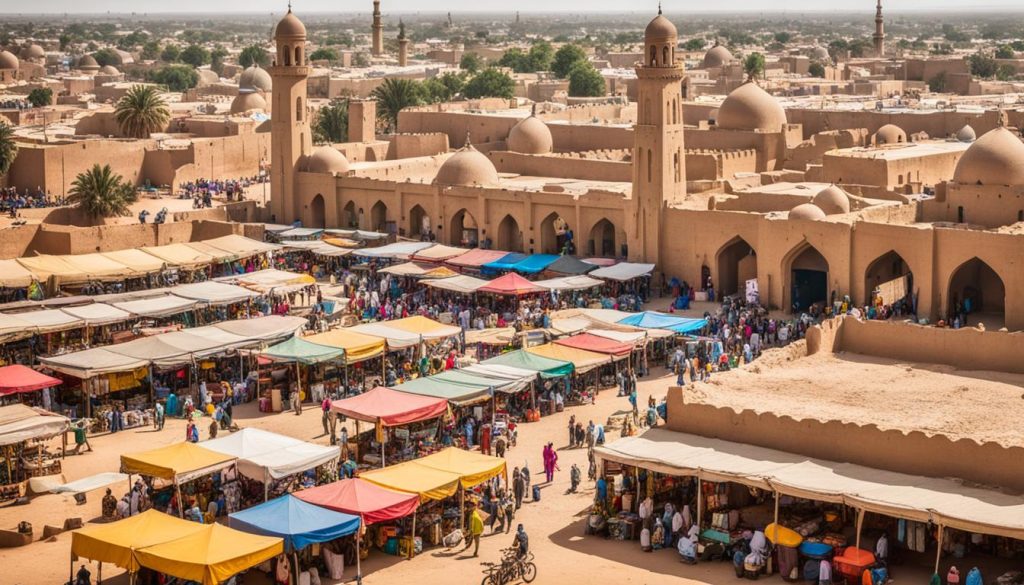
11 200
202 191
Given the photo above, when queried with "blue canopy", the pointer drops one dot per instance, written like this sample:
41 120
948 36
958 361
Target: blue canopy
300 524
534 263
504 263
655 320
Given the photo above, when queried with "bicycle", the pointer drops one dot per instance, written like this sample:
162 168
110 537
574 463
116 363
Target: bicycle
511 568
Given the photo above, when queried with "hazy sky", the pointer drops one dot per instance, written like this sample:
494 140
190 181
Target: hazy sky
675 7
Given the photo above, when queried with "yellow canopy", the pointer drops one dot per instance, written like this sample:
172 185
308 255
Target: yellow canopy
342 242
179 255
45 266
473 468
114 542
581 359
14 275
419 324
218 254
136 260
357 346
180 461
414 478
210 556
77 268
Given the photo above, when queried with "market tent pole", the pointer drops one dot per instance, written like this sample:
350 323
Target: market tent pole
152 391
71 566
99 574
776 518
700 502
359 554
860 524
462 508
298 381
266 485
938 551
412 544
295 557
181 503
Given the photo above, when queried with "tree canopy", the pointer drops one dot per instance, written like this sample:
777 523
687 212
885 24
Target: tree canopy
489 83
753 65
586 81
566 57
393 96
40 96
142 111
324 54
175 77
254 55
102 193
195 56
331 123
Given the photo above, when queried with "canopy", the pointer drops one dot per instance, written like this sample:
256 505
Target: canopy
458 393
596 344
476 258
582 360
369 501
423 327
13 327
214 293
263 455
317 247
500 372
492 336
460 284
176 462
299 350
412 477
492 383
92 362
136 259
241 246
270 279
115 542
473 468
14 275
389 407
300 232
534 263
180 255
77 268
569 283
545 366
357 346
409 269
623 271
20 423
217 254
655 320
164 306
511 284
438 253
266 328
506 262
300 524
570 265
357 234
396 250
98 314
16 378
210 556
48 320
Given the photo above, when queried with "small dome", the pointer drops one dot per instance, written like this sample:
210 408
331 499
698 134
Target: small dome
8 60
890 134
820 54
530 136
207 77
749 107
247 102
966 134
290 27
806 211
717 56
469 168
254 78
997 158
109 70
88 62
832 200
33 52
326 159
660 30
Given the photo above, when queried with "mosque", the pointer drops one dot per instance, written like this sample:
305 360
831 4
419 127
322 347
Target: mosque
727 197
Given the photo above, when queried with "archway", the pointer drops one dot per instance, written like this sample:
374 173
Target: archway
419 222
464 230
317 213
976 290
889 277
808 278
602 239
510 237
349 217
379 217
554 233
737 263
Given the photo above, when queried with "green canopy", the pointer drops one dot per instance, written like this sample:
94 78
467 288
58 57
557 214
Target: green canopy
459 393
299 350
546 367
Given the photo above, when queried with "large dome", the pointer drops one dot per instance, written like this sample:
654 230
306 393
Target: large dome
717 56
33 52
247 102
660 30
254 78
530 136
997 158
290 27
832 200
88 62
469 168
8 60
749 107
806 211
326 159
890 134
109 70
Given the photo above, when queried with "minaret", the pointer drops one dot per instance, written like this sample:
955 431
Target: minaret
290 138
659 166
879 36
378 31
403 45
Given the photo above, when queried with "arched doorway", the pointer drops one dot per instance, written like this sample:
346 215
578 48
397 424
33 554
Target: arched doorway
464 230
737 263
602 239
419 222
349 217
888 277
977 294
379 217
808 278
510 237
317 213
554 233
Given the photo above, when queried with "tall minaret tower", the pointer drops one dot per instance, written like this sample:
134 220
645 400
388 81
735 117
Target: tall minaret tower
659 167
403 45
290 138
378 30
879 36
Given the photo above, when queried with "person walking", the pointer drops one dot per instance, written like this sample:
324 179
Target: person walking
550 462
158 416
572 431
325 407
518 487
476 528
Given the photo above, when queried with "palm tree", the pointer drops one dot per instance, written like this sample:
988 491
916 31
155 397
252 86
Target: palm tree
141 112
331 123
393 96
102 193
8 149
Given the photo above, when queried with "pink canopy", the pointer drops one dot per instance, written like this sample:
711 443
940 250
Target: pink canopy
390 408
476 258
511 284
15 379
595 343
369 501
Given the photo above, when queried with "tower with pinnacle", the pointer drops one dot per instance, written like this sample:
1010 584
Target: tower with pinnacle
879 36
292 139
378 31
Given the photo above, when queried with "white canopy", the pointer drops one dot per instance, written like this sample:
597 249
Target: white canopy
580 282
22 423
264 328
263 455
163 306
214 293
98 314
318 247
396 250
623 271
49 320
460 284
357 234
13 327
92 362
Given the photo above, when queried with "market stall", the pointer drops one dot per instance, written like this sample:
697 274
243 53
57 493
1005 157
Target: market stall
116 542
371 502
475 258
184 463
511 284
399 423
24 432
211 555
301 352
16 380
438 253
589 373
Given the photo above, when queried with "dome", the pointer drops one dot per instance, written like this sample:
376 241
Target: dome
717 56
246 102
749 107
326 160
660 30
806 211
832 200
820 54
530 136
290 27
997 158
8 60
33 52
469 168
890 134
88 62
254 78
208 77
966 134
109 70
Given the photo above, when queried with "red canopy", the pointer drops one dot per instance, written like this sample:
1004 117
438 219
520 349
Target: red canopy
15 379
476 258
596 343
511 284
390 407
367 500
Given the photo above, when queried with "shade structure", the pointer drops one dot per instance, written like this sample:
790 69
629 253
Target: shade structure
570 265
476 258
180 255
492 383
389 407
263 455
596 344
506 262
357 234
272 280
545 366
569 283
14 275
417 328
511 284
214 293
491 336
655 320
298 523
16 378
458 393
300 232
460 284
401 250
211 555
500 372
241 246
269 328
414 269
217 254
367 500
22 423
92 362
13 328
137 260
623 271
582 360
116 542
473 468
357 346
75 269
438 253
177 462
45 320
535 263
411 477
299 350
156 307
98 314
327 248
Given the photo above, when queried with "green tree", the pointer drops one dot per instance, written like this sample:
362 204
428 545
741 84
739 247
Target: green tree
1005 52
170 54
937 84
217 56
783 37
195 56
331 124
393 96
102 193
107 56
586 81
1005 72
816 70
490 83
541 56
516 60
566 57
982 66
8 148
254 55
150 51
442 88
324 54
471 62
40 96
753 66
694 44
142 111
175 77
